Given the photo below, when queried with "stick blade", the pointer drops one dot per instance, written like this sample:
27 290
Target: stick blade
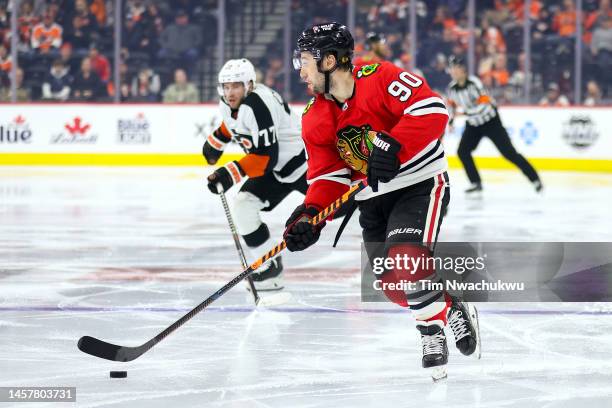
107 351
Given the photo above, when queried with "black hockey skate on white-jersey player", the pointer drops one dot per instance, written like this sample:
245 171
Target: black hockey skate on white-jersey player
463 321
271 277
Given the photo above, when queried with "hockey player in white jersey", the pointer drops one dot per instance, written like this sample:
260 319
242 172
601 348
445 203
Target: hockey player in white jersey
269 132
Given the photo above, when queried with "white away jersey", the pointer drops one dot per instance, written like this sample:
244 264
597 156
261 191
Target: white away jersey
264 124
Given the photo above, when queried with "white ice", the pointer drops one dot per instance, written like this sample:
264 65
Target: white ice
120 253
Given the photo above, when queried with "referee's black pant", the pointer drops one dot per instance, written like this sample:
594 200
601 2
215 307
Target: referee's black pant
497 133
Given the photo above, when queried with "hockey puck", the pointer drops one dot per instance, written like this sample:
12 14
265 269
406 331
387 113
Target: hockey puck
118 374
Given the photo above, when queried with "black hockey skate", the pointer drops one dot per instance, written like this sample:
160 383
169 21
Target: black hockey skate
463 320
271 278
538 186
474 189
435 351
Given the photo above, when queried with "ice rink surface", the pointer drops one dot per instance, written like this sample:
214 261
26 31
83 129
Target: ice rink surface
121 253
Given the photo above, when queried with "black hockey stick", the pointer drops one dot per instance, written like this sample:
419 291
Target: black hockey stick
113 352
243 260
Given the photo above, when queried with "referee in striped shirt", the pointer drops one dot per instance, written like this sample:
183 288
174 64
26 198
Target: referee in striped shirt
466 92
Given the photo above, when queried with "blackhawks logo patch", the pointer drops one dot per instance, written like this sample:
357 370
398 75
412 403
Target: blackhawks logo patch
354 145
367 70
308 105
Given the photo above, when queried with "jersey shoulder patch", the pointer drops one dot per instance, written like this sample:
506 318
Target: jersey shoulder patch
367 70
309 105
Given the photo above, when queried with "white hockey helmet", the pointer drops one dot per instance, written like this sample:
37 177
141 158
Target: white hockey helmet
236 70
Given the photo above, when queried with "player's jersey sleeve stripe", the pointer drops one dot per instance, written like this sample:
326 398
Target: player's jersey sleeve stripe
429 110
429 155
342 176
432 102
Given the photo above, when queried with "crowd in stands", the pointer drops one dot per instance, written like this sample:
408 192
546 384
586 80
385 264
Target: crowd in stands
65 47
443 30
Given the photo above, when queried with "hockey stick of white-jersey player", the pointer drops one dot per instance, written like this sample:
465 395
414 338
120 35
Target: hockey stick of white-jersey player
266 301
243 260
113 352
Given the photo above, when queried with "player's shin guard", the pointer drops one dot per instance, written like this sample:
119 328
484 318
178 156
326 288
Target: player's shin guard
422 293
269 275
257 237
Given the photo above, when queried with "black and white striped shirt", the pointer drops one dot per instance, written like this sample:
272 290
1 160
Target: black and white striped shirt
473 99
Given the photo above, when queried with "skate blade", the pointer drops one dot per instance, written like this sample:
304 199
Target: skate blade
269 285
474 315
438 373
274 299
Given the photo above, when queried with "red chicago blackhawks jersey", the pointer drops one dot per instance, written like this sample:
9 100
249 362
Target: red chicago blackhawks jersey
338 137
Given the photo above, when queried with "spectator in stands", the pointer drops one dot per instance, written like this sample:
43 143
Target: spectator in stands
98 9
181 40
516 83
491 35
68 59
499 75
597 18
593 94
554 97
142 30
485 65
56 86
125 82
564 21
181 91
89 22
25 22
437 76
23 94
87 84
5 61
601 48
84 29
4 25
274 74
145 87
79 37
156 19
443 20
47 36
542 27
99 63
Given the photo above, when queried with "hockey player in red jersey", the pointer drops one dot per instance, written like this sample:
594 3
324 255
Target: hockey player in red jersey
382 123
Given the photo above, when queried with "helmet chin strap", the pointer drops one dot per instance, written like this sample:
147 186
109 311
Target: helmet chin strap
327 75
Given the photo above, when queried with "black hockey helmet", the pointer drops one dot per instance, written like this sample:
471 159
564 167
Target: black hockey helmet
374 38
456 60
322 39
